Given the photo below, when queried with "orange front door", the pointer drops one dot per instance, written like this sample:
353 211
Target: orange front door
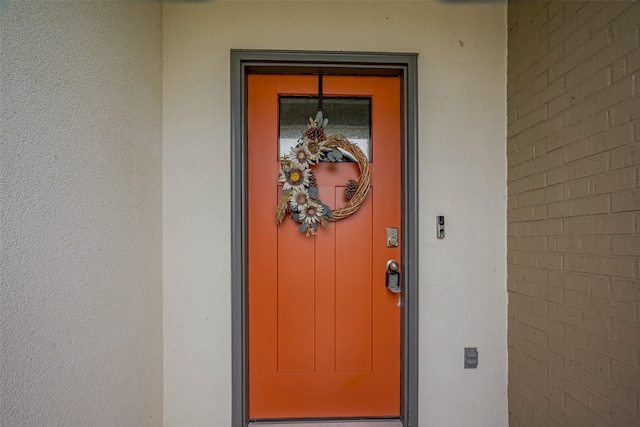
324 331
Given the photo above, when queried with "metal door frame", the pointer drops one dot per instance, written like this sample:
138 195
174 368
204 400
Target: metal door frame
244 62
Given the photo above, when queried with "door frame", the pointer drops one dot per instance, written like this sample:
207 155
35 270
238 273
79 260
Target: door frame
404 65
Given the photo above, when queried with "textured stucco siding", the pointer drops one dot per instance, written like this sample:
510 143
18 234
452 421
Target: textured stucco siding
462 157
80 214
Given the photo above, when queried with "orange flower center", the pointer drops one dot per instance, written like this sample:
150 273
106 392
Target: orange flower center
295 176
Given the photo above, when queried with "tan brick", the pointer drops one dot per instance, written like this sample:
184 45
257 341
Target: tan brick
627 201
527 258
561 103
616 50
583 33
560 347
616 181
614 349
597 324
567 280
624 22
578 188
531 305
533 244
626 376
541 97
555 294
574 263
573 299
548 161
589 360
586 13
616 309
581 71
593 84
576 336
529 366
596 124
615 137
633 61
621 396
532 334
528 121
550 260
626 332
619 69
583 206
525 169
610 266
622 418
596 225
548 326
560 34
566 244
543 355
559 415
600 406
528 183
625 245
599 286
625 289
589 166
570 316
584 414
572 211
536 290
539 383
603 100
536 275
520 155
543 195
554 21
569 386
576 150
625 112
549 227
553 56
585 377
595 245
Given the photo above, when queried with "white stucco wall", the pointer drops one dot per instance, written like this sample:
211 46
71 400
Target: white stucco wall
462 122
80 204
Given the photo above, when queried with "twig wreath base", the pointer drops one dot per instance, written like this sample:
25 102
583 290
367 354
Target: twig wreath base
300 189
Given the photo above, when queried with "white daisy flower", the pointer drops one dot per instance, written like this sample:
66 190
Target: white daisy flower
300 156
296 177
315 150
311 212
299 197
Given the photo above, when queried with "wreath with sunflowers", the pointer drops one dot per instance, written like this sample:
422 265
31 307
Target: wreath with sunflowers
300 188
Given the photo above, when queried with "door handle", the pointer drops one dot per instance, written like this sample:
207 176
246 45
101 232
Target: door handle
393 276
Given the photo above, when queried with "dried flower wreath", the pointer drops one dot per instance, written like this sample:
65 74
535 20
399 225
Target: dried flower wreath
300 188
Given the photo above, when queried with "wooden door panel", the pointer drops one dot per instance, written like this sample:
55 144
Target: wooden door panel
353 284
324 333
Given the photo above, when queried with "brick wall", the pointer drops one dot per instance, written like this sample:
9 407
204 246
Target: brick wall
574 213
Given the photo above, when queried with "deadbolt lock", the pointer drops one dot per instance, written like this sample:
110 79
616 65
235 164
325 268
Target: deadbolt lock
392 237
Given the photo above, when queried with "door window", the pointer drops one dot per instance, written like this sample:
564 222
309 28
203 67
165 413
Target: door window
348 116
